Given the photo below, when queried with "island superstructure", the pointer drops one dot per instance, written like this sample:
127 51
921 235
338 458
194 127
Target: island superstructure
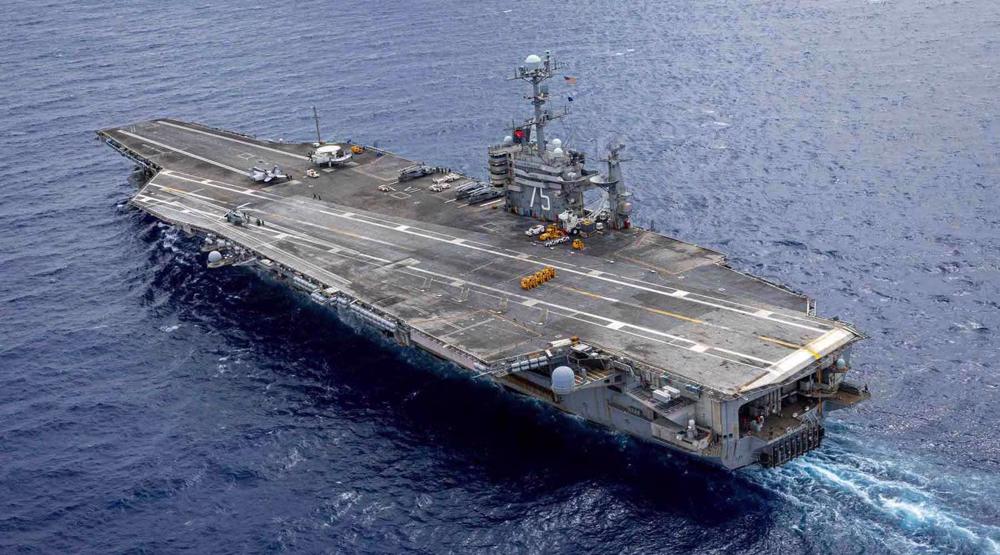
536 279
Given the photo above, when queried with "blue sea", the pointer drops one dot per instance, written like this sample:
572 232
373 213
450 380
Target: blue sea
847 148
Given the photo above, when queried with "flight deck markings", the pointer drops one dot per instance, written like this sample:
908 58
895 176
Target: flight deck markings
571 314
614 324
186 153
790 345
676 293
577 315
225 138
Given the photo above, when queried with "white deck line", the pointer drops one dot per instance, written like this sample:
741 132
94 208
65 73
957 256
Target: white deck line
231 139
677 293
563 268
257 243
796 361
613 324
572 314
186 153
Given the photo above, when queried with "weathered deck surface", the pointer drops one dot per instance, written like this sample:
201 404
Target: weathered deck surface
453 270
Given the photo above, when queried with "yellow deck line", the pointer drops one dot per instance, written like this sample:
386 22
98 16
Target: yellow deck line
815 355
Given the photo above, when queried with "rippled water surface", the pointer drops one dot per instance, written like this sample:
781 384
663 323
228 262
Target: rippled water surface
847 148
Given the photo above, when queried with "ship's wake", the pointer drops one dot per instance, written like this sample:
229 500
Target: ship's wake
903 506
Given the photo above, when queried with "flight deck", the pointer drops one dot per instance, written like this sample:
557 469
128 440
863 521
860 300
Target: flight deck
460 282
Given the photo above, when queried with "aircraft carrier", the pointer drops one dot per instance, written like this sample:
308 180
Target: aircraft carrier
522 278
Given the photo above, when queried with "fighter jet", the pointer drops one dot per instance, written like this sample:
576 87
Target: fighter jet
263 175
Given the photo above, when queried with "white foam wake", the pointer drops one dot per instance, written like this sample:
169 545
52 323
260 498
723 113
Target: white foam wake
877 498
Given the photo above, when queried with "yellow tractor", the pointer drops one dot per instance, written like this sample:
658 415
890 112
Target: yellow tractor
577 244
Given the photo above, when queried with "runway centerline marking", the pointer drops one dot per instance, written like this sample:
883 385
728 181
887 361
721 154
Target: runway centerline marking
186 153
231 139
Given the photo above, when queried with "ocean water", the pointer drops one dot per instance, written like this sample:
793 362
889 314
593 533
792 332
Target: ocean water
848 148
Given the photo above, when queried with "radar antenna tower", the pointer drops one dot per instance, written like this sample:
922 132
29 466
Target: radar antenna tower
536 70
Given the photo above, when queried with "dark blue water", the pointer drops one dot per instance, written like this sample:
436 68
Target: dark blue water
847 148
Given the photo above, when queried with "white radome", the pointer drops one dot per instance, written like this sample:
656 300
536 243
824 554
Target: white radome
563 380
214 256
532 59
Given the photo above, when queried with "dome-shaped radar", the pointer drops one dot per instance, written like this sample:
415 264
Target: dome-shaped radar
557 151
532 60
214 257
508 140
563 380
556 143
841 364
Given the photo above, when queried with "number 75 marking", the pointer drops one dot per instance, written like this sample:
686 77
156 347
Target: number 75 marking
546 201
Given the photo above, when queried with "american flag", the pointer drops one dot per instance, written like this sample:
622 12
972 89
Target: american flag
569 80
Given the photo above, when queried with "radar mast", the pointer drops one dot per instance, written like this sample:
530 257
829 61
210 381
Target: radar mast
536 70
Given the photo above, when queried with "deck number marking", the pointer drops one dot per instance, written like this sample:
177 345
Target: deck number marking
546 201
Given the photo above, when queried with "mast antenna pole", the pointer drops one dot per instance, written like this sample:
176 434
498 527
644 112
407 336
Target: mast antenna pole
536 70
319 139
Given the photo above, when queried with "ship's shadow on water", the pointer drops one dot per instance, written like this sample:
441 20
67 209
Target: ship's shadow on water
468 428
